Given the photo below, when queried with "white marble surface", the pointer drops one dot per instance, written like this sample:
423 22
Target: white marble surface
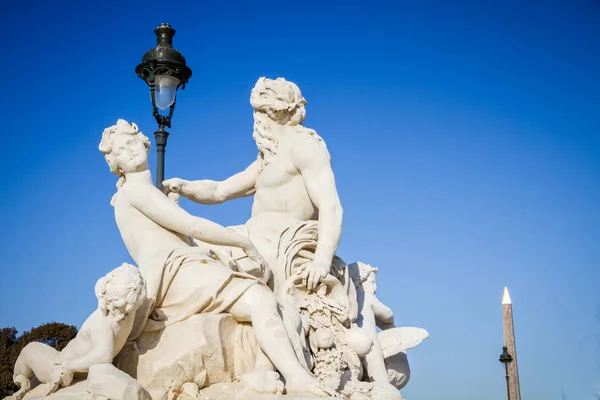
263 310
185 277
101 337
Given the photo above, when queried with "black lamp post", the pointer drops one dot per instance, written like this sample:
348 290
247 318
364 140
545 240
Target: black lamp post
164 70
506 358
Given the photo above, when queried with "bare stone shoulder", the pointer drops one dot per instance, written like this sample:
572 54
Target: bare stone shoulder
132 191
309 150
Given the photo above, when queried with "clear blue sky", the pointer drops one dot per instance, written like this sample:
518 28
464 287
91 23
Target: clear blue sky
465 138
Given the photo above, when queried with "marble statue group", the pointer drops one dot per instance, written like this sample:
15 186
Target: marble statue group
262 310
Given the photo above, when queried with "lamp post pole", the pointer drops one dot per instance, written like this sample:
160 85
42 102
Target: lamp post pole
506 358
160 136
164 70
161 143
507 383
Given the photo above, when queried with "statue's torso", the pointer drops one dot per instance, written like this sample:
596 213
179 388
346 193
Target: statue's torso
148 243
281 191
99 324
281 200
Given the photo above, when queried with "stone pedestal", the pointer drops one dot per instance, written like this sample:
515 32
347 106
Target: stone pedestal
202 350
232 391
107 381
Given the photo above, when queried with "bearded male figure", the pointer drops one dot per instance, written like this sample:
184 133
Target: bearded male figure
296 220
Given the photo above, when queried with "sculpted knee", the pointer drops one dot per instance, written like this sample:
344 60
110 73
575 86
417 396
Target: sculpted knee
262 299
34 359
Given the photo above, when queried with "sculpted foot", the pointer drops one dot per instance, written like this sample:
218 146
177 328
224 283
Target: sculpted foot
262 382
24 387
306 385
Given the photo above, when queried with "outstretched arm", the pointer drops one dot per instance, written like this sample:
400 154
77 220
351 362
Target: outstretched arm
314 163
384 316
166 213
101 353
212 192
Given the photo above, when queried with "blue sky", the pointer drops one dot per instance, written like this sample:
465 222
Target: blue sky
465 138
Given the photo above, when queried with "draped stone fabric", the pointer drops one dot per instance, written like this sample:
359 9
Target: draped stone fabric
182 333
294 242
190 282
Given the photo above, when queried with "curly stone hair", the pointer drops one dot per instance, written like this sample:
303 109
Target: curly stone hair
280 99
122 127
121 291
276 101
360 272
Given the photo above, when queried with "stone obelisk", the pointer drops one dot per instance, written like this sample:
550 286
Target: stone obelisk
509 342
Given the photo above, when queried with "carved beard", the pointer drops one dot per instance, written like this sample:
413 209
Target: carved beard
267 144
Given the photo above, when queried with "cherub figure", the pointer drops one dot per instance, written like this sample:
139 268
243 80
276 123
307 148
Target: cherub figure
372 314
386 362
120 293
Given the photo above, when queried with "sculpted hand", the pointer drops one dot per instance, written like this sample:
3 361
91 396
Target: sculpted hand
173 185
60 375
313 273
255 256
